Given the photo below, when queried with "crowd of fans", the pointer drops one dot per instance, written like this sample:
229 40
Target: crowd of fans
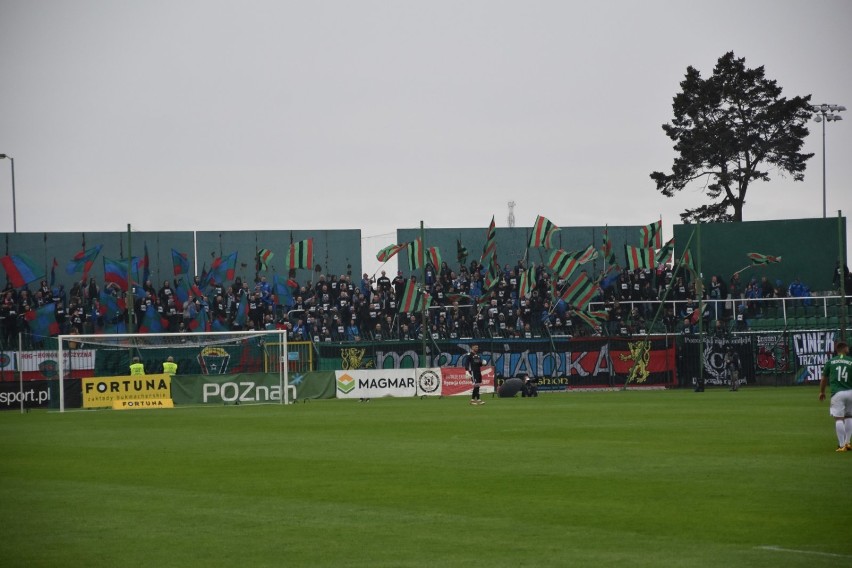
336 308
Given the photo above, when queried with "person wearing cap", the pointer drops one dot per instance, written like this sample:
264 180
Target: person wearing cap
474 372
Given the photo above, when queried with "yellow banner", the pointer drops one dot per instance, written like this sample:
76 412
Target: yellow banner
142 404
100 392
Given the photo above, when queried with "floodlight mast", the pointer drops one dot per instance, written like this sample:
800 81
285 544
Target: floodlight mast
826 113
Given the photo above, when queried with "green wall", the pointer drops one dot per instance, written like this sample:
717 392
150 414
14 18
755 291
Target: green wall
808 247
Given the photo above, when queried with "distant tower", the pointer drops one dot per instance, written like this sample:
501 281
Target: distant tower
511 214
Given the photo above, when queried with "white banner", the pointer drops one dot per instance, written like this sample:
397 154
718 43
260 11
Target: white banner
75 360
375 383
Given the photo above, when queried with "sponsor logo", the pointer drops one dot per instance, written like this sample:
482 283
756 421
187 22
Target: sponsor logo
5 360
39 397
214 361
345 383
138 404
49 368
428 381
246 391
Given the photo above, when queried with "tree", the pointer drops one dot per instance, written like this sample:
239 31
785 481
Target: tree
730 130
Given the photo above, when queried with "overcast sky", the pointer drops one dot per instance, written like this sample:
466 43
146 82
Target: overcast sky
213 115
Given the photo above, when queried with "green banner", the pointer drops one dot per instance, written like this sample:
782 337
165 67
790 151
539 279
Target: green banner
248 388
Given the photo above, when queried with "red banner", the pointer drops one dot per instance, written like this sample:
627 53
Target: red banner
454 381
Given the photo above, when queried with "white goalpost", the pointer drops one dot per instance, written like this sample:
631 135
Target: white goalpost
201 353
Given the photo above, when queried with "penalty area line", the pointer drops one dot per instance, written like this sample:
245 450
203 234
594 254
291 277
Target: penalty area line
812 552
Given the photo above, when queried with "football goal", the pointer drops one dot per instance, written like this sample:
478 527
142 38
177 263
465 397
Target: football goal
81 357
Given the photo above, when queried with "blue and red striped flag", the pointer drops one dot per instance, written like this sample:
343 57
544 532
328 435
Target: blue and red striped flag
115 272
223 269
83 261
180 263
21 270
42 321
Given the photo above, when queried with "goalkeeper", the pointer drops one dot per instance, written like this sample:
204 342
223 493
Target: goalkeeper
474 372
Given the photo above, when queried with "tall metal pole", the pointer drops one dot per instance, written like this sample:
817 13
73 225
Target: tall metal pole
841 257
14 207
423 316
699 290
823 169
131 312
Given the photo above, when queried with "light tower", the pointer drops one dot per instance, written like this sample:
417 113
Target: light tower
826 113
511 219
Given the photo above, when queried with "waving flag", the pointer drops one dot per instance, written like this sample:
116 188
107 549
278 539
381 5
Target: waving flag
241 316
593 319
608 253
389 252
201 321
492 277
115 271
152 322
638 257
664 255
688 265
757 258
580 292
282 291
461 252
83 261
181 292
435 257
413 299
583 256
490 248
223 269
301 255
53 272
542 233
562 263
42 321
652 235
180 263
527 283
264 257
21 270
415 254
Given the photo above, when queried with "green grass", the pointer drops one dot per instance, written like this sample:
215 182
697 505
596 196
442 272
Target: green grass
664 478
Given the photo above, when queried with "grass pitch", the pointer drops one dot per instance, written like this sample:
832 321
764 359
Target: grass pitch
663 478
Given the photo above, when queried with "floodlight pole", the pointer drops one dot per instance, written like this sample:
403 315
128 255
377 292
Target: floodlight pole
826 113
841 259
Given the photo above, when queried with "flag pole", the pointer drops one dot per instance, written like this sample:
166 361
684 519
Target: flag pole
841 257
423 314
129 299
742 269
699 290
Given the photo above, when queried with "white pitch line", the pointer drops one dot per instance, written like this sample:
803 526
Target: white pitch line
779 549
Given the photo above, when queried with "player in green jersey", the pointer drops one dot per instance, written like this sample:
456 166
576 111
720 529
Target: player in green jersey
837 373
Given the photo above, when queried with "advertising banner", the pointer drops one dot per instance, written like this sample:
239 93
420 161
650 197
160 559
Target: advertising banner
718 354
250 388
812 350
102 392
35 394
376 383
40 365
558 364
429 382
772 354
454 381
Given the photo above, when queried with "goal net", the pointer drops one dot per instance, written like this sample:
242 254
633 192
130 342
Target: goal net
82 358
